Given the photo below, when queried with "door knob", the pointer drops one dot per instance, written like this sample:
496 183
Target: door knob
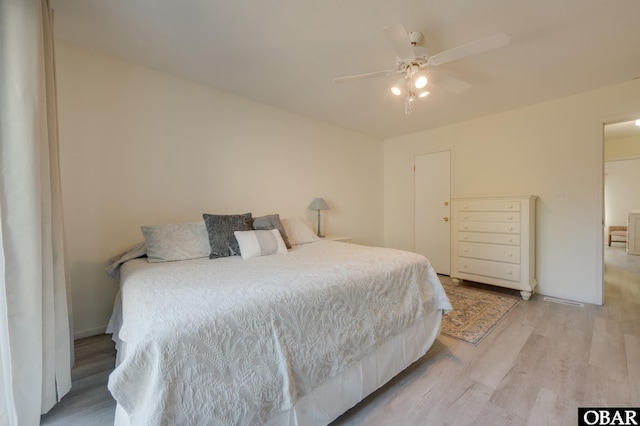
446 219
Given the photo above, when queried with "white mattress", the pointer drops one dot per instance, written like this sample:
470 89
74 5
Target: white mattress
276 340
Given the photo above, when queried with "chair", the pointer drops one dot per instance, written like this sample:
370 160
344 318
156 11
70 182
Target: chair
617 234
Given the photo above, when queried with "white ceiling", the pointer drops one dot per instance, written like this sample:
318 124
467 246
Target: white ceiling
286 53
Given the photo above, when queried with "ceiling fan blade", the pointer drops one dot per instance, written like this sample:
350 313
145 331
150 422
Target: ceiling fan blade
489 43
448 82
363 76
399 39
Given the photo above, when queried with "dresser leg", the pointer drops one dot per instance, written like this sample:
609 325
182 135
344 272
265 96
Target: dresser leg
526 295
456 281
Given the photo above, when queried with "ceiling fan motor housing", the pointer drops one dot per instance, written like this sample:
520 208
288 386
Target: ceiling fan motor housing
404 65
415 37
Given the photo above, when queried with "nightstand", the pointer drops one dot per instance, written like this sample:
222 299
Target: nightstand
340 238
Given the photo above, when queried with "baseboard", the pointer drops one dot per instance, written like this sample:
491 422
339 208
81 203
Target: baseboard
88 333
566 297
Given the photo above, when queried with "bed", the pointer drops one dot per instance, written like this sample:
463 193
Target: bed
296 338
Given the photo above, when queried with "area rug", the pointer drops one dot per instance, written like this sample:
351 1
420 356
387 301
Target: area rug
475 312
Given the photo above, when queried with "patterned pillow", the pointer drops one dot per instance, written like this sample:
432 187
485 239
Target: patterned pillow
176 241
220 229
260 243
298 231
271 221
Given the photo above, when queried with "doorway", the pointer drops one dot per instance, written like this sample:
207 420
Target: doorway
621 172
432 186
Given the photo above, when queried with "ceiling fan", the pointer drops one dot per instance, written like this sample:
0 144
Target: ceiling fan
414 62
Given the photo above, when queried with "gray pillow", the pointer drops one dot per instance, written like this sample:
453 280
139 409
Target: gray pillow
221 228
176 241
272 221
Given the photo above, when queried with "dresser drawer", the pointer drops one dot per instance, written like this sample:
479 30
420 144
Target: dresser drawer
490 205
504 271
483 237
508 254
510 228
489 216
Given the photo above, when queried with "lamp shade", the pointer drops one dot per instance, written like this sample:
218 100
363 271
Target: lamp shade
318 204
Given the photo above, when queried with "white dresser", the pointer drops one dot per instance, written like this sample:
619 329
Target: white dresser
493 241
633 232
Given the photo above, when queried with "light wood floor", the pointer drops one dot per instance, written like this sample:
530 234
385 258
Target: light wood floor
89 402
536 368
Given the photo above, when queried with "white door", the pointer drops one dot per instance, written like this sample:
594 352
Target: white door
432 198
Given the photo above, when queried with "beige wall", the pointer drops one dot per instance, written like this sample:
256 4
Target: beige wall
553 150
622 148
142 147
622 190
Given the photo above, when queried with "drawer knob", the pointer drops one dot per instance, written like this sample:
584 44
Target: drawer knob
511 228
510 206
466 216
465 237
510 217
509 272
466 226
465 266
465 250
466 206
510 239
509 254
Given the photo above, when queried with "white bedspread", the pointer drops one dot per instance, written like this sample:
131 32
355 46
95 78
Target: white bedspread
233 341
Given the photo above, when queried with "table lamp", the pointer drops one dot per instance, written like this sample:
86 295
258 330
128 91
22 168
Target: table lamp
318 204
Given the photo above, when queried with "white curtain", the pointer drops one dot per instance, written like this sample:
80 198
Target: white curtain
35 338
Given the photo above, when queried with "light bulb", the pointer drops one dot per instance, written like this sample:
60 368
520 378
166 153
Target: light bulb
423 93
421 81
638 122
396 89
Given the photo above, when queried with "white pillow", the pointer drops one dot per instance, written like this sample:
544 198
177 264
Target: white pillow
176 241
298 231
260 243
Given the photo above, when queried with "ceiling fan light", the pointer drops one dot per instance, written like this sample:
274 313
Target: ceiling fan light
638 122
396 89
421 81
423 93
